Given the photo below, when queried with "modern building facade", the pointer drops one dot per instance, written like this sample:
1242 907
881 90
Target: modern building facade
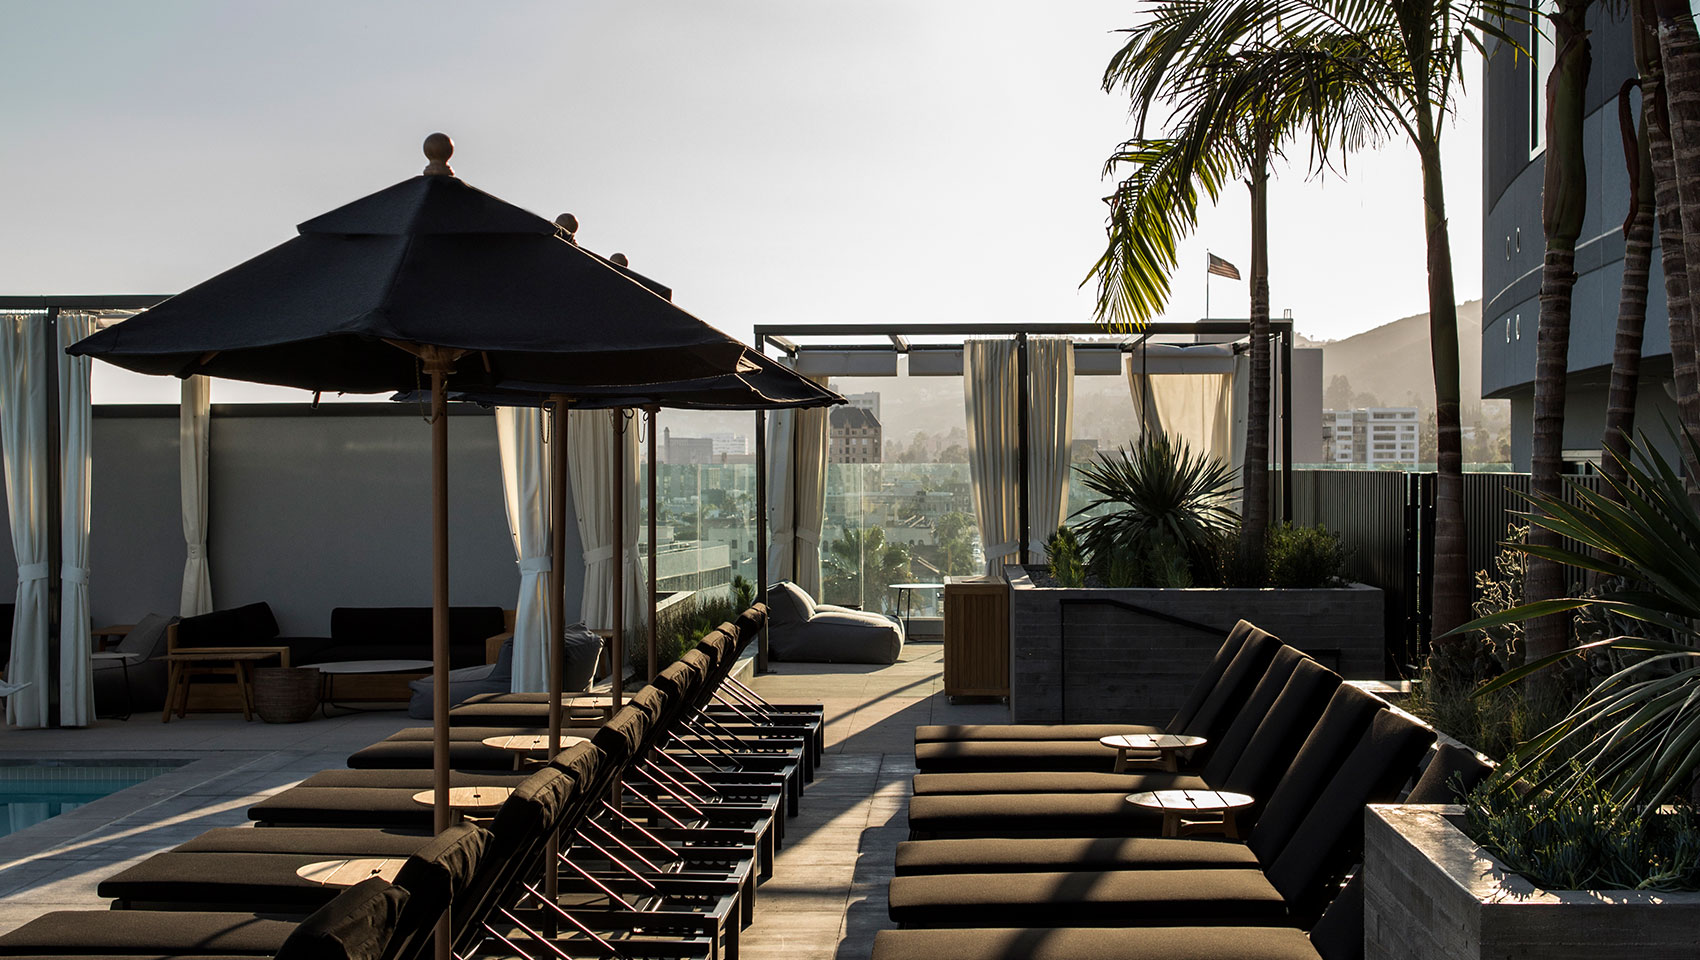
1373 436
1513 247
854 435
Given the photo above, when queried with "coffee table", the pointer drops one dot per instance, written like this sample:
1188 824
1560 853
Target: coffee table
341 667
1165 745
1178 805
347 873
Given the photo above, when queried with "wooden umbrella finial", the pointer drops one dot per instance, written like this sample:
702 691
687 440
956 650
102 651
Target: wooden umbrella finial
569 227
438 149
620 259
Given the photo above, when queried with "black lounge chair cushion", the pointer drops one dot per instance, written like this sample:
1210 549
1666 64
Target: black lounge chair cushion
1055 781
1120 898
356 925
1339 935
237 880
1086 943
971 756
1216 759
1342 724
1330 837
415 780
347 842
416 755
1229 694
622 736
1281 733
935 732
1025 855
1036 814
1445 769
1211 677
343 806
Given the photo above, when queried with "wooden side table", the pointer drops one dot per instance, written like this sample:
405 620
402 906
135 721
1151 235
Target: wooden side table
467 801
1177 806
524 745
347 873
1166 746
186 663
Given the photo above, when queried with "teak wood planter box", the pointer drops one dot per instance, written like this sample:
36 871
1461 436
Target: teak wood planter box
1431 893
1080 654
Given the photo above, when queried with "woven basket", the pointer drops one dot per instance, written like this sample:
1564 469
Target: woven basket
286 694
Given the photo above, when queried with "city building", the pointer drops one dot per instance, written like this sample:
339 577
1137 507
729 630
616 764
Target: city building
727 443
685 449
854 435
1513 248
869 401
1370 436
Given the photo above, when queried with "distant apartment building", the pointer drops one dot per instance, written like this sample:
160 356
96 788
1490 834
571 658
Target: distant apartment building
727 443
854 435
1371 435
1082 449
869 401
686 449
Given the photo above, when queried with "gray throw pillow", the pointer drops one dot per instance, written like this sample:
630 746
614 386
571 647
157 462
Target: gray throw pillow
147 637
581 648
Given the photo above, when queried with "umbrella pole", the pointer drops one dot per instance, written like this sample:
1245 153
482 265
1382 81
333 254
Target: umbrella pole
654 656
618 420
557 619
437 364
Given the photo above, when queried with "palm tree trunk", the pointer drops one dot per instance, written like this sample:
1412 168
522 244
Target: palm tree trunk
1679 51
1254 476
1451 602
1564 200
1632 298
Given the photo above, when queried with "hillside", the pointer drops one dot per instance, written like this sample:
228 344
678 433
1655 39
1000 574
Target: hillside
1391 362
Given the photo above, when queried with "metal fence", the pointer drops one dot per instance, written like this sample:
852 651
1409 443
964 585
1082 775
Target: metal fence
1386 520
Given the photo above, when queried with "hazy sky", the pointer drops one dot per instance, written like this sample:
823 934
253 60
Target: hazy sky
776 162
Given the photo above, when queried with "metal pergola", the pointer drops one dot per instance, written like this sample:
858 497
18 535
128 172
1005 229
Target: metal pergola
784 338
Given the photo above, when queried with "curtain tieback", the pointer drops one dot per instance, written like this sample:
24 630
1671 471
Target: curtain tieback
28 572
1003 549
784 533
599 554
808 536
197 551
74 574
539 564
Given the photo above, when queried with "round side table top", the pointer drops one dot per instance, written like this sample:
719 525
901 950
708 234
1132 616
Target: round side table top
468 798
1152 741
347 873
1190 801
530 743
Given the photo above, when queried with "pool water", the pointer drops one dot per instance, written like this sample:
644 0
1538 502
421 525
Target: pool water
31 792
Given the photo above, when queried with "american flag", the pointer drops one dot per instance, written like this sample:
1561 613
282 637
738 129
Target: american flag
1222 268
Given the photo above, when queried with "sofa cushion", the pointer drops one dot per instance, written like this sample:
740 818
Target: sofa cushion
410 627
147 637
249 625
837 637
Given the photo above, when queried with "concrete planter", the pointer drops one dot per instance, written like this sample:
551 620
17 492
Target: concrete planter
1092 654
1430 892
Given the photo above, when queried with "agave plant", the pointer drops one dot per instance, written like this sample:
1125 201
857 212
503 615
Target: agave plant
1637 731
1164 499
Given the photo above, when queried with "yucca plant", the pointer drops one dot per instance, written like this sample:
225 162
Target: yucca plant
1637 732
1165 499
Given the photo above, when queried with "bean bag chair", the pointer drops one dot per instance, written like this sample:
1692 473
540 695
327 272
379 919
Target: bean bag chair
463 683
800 630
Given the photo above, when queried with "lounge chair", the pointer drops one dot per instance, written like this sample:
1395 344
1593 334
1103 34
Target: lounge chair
1298 869
1215 712
800 630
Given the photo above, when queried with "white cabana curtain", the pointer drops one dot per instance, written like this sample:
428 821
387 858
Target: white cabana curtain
1194 407
796 494
23 423
638 608
76 682
1050 435
522 441
989 392
194 438
590 455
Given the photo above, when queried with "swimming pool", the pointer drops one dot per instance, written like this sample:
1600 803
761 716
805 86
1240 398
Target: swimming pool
32 791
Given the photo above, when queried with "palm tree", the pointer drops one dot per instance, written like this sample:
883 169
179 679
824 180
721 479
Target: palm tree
1675 135
1564 199
1235 99
861 564
1637 258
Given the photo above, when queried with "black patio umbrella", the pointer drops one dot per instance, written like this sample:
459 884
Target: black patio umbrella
434 282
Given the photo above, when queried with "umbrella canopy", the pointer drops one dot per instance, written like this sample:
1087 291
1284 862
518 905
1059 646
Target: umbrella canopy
431 262
428 281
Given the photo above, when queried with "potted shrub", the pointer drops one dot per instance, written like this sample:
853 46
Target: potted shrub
1586 844
1143 587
